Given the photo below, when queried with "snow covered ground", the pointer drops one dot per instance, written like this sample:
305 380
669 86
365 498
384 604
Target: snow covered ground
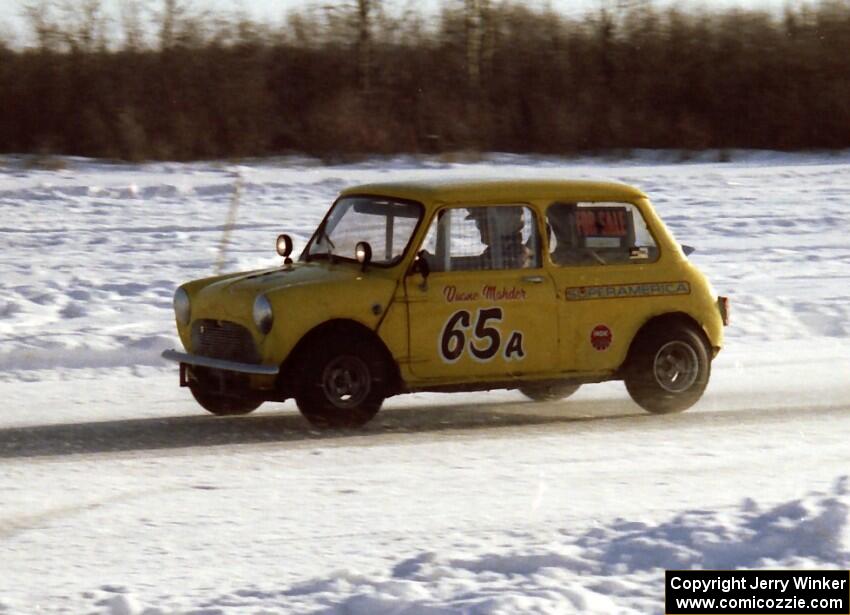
119 495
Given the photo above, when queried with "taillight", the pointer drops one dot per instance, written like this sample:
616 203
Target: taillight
723 306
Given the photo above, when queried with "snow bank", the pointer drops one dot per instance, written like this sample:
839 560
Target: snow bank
92 254
613 568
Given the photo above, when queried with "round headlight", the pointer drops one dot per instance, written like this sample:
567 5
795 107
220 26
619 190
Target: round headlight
263 315
182 307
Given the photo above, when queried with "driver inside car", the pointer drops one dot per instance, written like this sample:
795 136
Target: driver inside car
501 232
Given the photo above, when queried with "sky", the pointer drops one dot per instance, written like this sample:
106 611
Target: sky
12 24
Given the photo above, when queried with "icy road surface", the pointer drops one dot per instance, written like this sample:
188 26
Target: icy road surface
120 496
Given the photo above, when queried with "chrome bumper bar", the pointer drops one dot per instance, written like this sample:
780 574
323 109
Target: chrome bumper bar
230 366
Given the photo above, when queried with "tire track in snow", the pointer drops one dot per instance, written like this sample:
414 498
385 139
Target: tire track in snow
182 434
18 524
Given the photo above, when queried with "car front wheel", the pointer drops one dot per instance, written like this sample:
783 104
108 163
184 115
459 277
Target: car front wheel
668 370
344 384
224 405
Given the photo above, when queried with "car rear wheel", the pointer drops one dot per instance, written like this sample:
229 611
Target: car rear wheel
224 405
669 369
344 383
548 391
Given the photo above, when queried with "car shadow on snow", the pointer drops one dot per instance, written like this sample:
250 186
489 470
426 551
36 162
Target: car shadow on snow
204 430
490 420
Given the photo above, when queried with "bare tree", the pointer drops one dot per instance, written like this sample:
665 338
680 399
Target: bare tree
85 25
132 23
172 12
364 43
479 53
40 19
474 11
360 17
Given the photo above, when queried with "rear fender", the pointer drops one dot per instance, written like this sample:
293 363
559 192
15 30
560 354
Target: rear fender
665 321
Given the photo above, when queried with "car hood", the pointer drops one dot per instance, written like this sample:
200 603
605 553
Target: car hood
270 280
231 297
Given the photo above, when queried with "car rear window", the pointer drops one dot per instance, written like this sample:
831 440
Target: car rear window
594 234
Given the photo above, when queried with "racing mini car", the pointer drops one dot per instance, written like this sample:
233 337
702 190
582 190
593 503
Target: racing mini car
540 286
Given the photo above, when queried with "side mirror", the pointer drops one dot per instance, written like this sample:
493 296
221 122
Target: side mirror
421 266
363 253
283 246
688 250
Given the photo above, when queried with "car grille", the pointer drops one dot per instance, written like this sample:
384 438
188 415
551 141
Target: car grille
220 339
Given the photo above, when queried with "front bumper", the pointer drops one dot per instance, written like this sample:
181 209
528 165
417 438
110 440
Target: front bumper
222 364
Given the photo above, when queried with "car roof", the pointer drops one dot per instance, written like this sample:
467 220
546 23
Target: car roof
499 190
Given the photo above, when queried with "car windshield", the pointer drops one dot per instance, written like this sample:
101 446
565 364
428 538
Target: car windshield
386 224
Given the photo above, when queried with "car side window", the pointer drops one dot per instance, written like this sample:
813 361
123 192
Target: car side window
582 234
482 238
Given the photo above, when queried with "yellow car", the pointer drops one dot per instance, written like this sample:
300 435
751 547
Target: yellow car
539 286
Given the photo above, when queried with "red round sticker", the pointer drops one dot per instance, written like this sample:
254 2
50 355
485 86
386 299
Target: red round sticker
601 337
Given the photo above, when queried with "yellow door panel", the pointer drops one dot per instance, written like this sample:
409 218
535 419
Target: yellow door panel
474 325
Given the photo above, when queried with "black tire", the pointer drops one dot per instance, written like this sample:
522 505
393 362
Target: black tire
343 382
548 390
225 405
668 369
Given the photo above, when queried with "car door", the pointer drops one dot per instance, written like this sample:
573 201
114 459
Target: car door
604 263
486 311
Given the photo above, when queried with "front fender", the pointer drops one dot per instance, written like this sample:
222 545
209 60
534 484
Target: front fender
300 309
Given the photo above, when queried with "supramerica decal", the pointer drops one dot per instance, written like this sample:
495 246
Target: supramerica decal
626 291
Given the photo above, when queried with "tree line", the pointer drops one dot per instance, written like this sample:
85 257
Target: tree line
169 83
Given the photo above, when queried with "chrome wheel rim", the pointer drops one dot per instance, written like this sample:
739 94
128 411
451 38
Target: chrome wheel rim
346 382
676 366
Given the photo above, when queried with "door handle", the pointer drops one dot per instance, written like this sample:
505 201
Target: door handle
534 279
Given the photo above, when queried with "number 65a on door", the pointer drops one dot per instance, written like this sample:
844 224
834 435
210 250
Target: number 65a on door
482 340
